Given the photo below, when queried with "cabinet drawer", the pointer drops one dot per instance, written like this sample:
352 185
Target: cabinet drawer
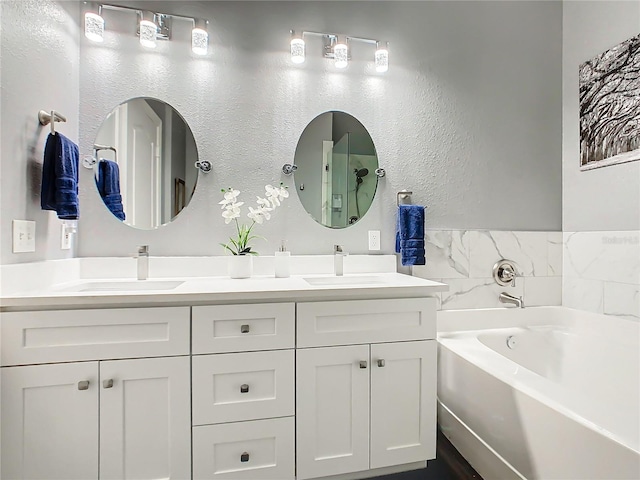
96 334
242 386
365 321
242 328
261 449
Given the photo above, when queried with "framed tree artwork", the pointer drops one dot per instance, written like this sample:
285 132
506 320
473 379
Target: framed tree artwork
610 106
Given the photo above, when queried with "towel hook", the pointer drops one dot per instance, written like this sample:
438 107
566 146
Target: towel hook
403 197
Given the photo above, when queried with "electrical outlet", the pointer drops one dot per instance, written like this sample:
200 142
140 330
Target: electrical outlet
24 236
374 239
65 238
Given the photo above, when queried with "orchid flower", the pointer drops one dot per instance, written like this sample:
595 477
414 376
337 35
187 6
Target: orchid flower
239 245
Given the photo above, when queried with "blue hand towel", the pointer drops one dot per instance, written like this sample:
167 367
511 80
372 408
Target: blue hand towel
410 234
59 190
108 183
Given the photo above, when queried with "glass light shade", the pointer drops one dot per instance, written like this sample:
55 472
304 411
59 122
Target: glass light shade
148 32
199 41
341 55
382 60
297 50
93 27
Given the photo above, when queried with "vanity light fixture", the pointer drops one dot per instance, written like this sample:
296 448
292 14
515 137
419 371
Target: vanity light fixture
297 48
336 47
382 57
148 29
199 37
341 54
94 25
151 27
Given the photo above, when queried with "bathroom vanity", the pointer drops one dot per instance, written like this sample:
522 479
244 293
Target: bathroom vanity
264 378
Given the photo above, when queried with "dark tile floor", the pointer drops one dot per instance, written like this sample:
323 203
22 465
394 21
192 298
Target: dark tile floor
448 465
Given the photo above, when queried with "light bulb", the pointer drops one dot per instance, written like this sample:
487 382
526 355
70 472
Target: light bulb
199 41
297 50
382 59
148 30
199 37
93 27
341 55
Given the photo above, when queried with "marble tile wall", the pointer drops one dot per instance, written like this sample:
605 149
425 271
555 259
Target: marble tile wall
464 260
602 272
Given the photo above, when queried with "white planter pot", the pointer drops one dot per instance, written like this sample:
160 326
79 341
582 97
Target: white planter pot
241 266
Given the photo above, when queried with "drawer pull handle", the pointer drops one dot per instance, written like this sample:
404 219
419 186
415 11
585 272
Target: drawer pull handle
83 385
244 329
363 364
107 383
244 457
381 362
244 388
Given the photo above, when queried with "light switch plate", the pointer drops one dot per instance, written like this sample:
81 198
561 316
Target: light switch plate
24 236
374 239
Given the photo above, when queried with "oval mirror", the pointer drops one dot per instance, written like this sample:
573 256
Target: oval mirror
145 154
336 163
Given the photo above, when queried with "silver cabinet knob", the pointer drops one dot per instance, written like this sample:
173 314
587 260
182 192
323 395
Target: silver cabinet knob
107 383
83 385
244 388
363 364
244 457
244 329
381 362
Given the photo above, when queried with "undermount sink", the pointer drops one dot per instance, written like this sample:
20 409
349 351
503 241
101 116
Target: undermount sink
125 286
344 280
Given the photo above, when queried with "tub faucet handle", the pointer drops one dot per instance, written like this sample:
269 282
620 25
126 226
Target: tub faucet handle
505 273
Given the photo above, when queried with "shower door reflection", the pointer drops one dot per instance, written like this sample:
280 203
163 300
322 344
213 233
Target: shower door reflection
335 178
349 186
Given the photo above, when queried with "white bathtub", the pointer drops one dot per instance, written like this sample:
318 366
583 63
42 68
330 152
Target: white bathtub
563 403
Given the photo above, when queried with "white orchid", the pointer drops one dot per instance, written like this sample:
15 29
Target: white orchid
264 204
255 215
230 197
230 213
239 245
284 193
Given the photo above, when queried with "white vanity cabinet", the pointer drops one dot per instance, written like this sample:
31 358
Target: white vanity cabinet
271 391
368 405
108 419
244 391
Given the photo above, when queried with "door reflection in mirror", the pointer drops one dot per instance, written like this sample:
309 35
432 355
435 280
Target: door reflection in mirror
153 153
336 161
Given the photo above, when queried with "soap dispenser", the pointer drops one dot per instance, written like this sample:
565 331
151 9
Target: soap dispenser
282 262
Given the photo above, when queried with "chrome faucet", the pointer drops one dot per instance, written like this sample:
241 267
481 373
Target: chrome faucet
338 260
143 262
507 298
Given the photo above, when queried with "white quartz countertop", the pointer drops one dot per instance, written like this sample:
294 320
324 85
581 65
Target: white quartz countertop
220 290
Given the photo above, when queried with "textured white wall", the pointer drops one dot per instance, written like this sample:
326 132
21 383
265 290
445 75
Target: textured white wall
605 198
468 116
39 58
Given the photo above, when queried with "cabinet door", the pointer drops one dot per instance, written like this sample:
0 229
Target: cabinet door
145 419
50 422
332 410
403 402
